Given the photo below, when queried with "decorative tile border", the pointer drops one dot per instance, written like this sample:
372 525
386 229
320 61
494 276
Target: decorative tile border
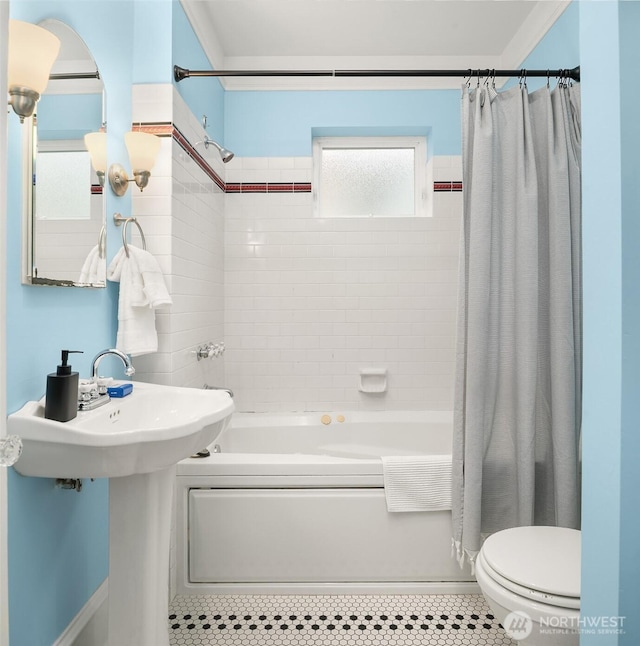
268 187
170 130
447 187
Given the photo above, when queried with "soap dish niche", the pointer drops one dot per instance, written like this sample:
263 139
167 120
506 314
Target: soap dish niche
373 380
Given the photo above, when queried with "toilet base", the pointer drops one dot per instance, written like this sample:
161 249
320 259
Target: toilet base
539 636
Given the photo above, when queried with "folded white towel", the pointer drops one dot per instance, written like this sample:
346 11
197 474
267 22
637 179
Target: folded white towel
417 482
136 316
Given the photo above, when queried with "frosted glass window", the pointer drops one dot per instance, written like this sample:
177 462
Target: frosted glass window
62 186
369 177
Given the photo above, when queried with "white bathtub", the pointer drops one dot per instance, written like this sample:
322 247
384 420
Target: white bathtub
290 504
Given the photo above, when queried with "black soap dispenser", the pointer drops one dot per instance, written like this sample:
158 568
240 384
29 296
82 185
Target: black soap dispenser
61 402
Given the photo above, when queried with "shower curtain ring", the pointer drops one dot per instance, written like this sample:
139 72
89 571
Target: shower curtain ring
562 81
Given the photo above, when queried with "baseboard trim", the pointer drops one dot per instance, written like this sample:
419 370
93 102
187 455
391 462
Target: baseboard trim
384 588
83 620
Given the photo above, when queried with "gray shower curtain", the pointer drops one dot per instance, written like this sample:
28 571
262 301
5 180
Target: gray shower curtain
519 345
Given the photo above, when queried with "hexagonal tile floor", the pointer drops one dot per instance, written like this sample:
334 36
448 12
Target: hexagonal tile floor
340 620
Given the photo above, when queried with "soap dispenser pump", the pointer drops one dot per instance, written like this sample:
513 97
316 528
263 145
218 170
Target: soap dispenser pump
61 402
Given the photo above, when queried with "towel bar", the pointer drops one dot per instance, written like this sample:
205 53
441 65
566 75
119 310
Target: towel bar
119 219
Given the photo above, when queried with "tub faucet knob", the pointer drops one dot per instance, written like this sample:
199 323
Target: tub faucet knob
226 390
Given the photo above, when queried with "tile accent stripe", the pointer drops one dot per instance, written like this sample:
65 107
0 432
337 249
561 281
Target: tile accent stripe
169 130
447 187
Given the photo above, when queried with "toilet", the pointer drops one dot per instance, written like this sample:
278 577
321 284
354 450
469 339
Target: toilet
533 572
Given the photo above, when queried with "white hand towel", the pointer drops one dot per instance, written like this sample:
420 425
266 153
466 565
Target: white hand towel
114 270
153 285
417 483
135 291
89 271
101 268
136 324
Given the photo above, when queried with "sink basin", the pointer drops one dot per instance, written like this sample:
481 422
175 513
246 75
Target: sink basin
152 428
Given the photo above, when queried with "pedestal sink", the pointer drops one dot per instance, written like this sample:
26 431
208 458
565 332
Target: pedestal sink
135 442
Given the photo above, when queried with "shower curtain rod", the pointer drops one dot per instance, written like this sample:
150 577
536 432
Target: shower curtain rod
180 73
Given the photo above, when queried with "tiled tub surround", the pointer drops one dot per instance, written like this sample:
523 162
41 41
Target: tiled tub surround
182 214
307 302
310 301
302 303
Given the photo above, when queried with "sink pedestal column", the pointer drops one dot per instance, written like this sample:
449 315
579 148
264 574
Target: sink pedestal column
139 536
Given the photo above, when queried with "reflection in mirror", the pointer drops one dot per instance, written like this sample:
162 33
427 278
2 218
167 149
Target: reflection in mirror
65 214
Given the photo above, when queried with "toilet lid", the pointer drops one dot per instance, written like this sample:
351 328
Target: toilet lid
545 559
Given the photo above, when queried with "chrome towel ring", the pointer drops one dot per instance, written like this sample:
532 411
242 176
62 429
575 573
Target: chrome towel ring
120 219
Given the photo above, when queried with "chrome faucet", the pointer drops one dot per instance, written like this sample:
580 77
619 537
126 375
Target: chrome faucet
128 367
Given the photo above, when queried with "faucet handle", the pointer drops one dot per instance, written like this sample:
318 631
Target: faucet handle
103 384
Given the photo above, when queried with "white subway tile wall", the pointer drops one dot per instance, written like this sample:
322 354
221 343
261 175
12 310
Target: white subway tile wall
309 302
181 213
302 303
62 246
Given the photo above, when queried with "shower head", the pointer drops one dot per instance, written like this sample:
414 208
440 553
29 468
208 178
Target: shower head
225 155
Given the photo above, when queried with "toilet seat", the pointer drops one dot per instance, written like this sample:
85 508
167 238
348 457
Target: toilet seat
538 563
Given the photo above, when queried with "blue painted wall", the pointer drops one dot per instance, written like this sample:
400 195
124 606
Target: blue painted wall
280 123
204 96
58 540
629 566
601 216
68 116
559 49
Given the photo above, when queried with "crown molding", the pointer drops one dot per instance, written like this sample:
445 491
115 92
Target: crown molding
532 31
525 39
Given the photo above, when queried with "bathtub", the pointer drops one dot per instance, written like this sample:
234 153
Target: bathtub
294 504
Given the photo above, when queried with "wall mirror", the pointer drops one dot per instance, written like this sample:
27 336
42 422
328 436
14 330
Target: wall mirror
64 221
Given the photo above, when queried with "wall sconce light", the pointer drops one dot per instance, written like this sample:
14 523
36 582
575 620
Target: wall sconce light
96 144
32 52
143 149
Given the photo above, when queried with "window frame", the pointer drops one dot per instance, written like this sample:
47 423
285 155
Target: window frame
417 142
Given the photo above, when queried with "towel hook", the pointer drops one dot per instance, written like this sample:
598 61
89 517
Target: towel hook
119 219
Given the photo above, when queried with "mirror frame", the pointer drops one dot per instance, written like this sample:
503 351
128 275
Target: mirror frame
29 152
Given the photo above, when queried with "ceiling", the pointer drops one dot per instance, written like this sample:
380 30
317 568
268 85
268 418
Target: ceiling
367 34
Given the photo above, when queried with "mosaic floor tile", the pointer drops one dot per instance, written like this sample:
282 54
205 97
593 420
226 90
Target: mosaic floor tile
340 620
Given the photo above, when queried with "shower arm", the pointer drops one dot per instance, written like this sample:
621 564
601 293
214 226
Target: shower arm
180 73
